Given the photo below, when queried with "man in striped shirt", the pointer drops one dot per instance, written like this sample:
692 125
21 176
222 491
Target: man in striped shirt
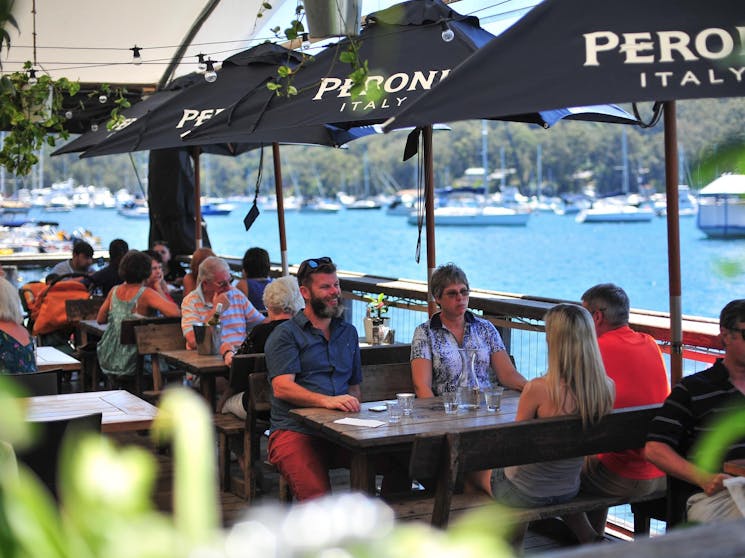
689 413
213 287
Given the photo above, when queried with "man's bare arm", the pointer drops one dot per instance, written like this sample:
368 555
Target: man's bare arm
285 388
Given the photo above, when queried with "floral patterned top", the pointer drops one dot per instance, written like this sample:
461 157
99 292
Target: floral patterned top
15 358
432 341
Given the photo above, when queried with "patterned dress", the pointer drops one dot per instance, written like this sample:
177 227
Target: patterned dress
432 341
15 358
115 358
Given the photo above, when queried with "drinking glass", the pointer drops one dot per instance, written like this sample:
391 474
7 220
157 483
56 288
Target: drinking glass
450 401
493 398
394 411
406 402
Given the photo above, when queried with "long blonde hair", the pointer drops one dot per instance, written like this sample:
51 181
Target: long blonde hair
575 367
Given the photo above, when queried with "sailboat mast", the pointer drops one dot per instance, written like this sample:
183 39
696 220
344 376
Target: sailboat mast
366 174
484 155
625 155
539 171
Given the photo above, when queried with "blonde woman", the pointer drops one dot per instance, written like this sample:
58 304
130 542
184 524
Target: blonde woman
575 384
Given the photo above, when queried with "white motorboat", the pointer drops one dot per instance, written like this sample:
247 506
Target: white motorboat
721 207
363 203
489 215
59 203
615 210
687 203
134 210
320 206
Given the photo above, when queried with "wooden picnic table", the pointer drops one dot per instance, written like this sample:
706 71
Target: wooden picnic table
207 367
121 410
365 443
92 328
51 358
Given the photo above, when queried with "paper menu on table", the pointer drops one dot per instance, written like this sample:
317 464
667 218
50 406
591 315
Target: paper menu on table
360 422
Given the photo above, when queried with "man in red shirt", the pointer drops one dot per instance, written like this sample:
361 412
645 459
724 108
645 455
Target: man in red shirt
634 362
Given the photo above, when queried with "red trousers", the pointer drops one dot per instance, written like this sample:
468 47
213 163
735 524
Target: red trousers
304 461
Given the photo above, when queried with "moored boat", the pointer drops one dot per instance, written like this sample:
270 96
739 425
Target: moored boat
486 216
134 210
615 210
721 207
320 206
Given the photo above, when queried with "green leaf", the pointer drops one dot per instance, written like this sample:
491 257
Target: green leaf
273 86
347 57
284 71
266 6
291 90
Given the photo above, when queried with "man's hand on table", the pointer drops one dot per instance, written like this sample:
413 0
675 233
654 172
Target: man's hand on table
348 403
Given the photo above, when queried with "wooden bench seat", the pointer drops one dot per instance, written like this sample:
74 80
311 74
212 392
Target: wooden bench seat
445 456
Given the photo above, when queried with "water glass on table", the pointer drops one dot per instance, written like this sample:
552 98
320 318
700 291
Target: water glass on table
450 401
406 402
493 398
394 411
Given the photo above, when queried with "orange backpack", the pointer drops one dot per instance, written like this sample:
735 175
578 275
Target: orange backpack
48 310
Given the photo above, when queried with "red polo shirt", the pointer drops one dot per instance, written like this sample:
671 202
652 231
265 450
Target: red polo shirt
634 362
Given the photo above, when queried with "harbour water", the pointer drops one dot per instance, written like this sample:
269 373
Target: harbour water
552 256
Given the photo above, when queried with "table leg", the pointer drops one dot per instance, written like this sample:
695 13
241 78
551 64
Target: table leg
362 473
207 387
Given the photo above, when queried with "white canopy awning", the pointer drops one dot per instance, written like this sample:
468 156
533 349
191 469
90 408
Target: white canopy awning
90 40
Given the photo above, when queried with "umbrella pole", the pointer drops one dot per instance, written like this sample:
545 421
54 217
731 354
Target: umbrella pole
197 200
673 243
280 207
429 212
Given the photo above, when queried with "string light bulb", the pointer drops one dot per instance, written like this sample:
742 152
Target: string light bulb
68 114
447 33
136 58
32 80
94 127
201 64
210 76
306 41
102 98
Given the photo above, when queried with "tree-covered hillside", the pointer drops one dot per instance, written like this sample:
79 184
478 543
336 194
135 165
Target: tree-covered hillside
574 155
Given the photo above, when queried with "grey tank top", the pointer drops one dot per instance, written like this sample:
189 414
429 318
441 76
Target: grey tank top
551 478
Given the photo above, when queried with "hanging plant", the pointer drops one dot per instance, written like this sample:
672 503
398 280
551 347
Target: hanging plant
296 31
282 85
30 108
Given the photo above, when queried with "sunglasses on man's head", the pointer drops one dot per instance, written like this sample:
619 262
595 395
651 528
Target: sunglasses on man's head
312 264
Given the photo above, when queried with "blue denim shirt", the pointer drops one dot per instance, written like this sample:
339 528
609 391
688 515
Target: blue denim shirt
328 367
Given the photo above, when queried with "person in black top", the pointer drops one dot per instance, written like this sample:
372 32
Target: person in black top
690 411
107 277
282 300
172 271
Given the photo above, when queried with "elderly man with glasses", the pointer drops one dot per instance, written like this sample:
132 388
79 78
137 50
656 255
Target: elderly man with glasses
214 287
691 410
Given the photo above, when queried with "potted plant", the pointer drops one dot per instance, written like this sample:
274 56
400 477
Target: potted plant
377 326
